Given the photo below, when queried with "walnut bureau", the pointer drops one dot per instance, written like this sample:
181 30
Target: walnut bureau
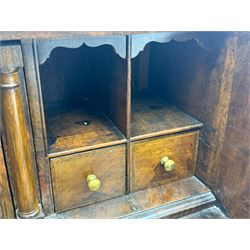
113 124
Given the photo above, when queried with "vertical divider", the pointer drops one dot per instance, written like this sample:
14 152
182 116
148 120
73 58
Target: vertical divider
128 58
29 51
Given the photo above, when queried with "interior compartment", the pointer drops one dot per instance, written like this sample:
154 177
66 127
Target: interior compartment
84 97
158 73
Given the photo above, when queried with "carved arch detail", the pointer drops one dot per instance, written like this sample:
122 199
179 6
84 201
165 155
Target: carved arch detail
45 47
139 41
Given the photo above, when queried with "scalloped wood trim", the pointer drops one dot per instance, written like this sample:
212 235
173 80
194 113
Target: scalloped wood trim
45 47
139 41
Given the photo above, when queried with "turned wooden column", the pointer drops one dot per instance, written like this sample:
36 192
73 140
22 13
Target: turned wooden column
17 140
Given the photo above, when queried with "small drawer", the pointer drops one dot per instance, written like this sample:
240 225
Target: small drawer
70 174
148 169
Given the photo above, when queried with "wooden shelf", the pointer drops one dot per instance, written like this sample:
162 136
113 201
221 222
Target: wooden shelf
172 200
78 126
153 116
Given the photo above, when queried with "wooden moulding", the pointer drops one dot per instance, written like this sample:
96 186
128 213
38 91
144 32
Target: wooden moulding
38 123
139 41
172 200
45 47
17 138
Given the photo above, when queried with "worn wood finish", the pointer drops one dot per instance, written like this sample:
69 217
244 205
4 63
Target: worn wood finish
201 82
206 77
108 84
38 124
95 74
118 108
128 83
200 91
140 71
146 156
152 117
77 129
16 35
140 41
175 209
144 202
6 202
207 213
233 170
19 149
45 47
69 175
11 56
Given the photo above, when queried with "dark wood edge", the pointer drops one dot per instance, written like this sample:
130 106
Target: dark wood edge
37 122
166 132
128 155
87 148
175 208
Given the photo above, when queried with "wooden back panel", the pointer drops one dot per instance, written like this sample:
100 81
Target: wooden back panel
97 74
213 86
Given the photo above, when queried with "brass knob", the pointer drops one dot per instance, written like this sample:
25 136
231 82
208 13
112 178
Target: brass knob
168 164
93 183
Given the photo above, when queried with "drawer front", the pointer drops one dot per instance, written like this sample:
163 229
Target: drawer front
69 177
147 169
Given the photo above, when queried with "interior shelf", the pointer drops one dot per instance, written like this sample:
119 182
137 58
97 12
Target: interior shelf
74 126
152 116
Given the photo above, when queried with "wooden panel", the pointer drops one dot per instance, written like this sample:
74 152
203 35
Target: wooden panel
94 74
198 82
146 201
45 47
153 116
213 86
108 88
208 213
14 35
118 108
78 127
146 156
233 172
69 175
38 124
6 204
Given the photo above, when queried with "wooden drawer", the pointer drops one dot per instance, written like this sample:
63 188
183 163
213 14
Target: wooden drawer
69 177
147 169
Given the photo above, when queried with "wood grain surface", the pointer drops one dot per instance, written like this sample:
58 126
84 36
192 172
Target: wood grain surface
79 127
145 201
6 202
213 86
146 156
13 35
233 171
152 116
210 83
18 145
69 175
36 108
207 213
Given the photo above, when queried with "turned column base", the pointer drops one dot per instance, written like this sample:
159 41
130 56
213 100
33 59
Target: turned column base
36 214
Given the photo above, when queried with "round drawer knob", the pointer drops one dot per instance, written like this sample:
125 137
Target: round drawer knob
93 183
168 164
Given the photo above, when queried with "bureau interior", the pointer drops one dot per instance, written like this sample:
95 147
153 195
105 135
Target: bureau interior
162 76
84 97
